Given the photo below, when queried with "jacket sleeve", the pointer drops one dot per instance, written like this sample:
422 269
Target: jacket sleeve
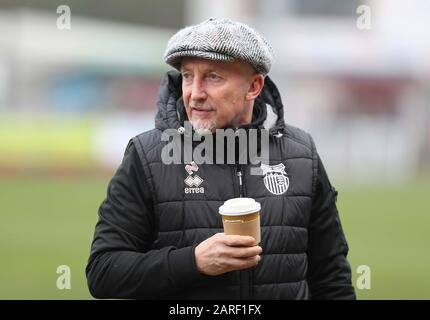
121 263
329 274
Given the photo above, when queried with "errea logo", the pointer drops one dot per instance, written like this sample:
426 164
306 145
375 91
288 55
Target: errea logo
193 181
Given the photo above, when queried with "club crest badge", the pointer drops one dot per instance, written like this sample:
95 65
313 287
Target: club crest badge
275 178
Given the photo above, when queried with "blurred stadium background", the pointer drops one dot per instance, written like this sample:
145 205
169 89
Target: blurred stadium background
71 99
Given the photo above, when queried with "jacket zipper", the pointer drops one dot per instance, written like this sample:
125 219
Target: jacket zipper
239 176
245 276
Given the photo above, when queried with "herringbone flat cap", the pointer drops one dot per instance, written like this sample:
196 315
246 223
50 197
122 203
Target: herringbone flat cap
220 39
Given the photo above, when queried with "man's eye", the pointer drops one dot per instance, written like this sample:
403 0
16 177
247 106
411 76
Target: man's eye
186 76
213 76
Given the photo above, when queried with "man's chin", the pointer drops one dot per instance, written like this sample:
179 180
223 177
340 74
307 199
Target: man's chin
203 127
203 131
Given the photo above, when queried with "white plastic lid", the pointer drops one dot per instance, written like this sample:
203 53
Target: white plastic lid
239 206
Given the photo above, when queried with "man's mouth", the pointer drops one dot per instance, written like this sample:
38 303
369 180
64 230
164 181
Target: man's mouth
201 111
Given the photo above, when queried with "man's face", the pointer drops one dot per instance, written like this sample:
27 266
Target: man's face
218 94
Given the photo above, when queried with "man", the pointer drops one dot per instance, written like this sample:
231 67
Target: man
159 234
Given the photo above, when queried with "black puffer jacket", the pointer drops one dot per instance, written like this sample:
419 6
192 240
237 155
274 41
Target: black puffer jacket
149 225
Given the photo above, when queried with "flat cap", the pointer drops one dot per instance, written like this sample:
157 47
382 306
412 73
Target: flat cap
220 39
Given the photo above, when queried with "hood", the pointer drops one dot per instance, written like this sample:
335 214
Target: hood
268 110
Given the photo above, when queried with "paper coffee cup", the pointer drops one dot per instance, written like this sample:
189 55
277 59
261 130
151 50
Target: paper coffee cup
241 216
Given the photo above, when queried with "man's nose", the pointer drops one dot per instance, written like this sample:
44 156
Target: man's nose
198 90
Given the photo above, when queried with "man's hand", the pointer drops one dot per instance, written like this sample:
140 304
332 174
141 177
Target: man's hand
223 253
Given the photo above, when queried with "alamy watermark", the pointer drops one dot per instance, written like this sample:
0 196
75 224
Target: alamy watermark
364 20
226 146
64 281
64 20
363 281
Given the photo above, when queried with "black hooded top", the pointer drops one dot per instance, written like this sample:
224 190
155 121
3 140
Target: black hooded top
152 220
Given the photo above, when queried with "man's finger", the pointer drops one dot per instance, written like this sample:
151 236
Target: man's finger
244 263
239 241
243 252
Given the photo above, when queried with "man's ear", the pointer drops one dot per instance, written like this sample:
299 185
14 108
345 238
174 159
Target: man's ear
256 86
